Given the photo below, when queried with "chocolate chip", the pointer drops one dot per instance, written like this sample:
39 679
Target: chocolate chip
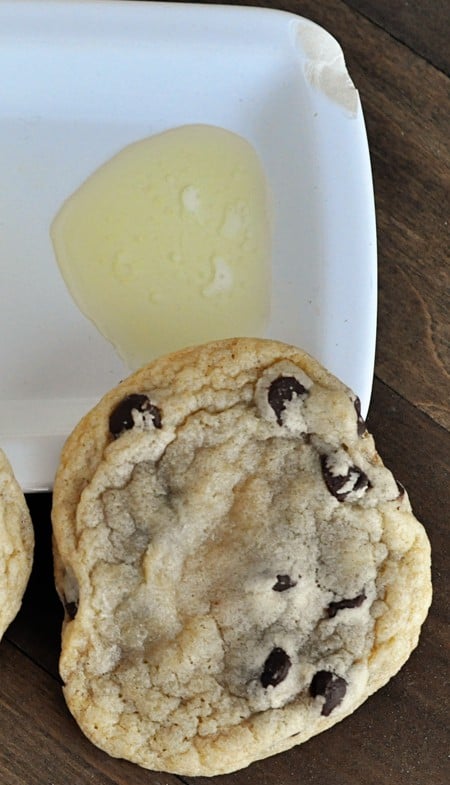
334 607
283 389
332 687
71 609
360 422
121 418
284 582
276 667
355 481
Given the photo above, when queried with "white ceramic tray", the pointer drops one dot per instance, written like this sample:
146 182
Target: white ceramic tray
79 80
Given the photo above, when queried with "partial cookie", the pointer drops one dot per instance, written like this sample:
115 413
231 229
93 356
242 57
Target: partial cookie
238 568
16 545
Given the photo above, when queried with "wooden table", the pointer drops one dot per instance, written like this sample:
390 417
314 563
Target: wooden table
398 56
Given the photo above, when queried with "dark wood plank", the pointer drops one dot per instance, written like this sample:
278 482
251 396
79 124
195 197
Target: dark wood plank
41 742
423 25
417 452
409 135
37 628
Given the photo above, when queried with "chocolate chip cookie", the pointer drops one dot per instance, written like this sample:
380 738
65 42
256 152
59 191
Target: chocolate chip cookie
16 544
239 570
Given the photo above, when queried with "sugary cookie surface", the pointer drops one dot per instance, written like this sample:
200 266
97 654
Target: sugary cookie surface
239 569
16 544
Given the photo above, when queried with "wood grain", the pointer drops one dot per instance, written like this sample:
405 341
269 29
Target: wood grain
423 25
394 52
37 629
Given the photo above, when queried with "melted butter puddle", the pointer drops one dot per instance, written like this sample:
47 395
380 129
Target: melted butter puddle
168 243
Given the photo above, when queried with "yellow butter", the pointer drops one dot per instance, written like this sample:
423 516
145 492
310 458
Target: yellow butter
168 243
